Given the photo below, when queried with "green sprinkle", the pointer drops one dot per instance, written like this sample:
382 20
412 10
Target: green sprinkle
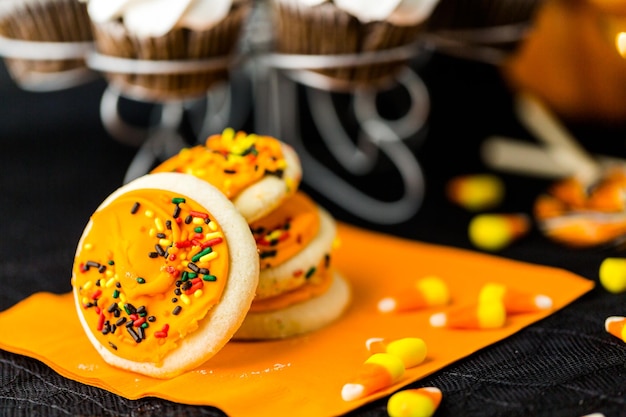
111 262
192 274
310 272
141 280
198 229
209 278
197 256
145 325
178 200
116 294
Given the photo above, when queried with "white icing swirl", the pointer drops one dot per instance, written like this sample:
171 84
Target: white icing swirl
158 17
397 12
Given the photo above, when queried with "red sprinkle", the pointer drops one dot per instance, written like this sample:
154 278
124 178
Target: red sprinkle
196 284
96 294
100 322
198 214
139 321
183 244
212 242
298 273
172 257
160 335
133 317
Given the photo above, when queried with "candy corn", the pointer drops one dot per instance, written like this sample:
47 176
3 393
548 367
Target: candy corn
379 371
493 232
613 274
420 402
489 314
475 192
616 325
412 350
515 301
430 291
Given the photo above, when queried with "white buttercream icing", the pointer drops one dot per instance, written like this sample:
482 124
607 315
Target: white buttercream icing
397 12
158 17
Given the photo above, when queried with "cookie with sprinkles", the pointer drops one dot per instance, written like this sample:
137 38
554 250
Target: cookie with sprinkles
299 291
256 172
295 244
164 274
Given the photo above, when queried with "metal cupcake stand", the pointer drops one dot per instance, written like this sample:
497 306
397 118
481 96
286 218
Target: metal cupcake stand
270 84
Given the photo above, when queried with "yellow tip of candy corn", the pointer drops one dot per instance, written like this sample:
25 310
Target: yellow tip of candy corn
613 274
421 402
493 232
411 350
476 192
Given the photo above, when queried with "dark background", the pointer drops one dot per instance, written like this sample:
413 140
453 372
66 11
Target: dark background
58 163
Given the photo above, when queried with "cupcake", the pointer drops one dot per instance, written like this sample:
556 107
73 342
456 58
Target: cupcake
464 26
58 35
344 27
196 36
471 14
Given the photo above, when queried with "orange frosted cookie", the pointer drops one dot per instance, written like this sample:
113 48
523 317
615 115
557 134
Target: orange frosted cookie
298 290
164 274
295 243
256 172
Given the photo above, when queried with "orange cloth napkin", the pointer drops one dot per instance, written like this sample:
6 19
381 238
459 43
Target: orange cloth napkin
303 373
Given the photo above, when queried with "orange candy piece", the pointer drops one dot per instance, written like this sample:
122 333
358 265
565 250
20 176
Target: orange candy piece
515 301
379 371
419 402
430 291
489 314
616 325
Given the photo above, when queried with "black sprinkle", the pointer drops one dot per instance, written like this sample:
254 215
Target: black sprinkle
141 310
112 308
102 268
188 219
204 271
193 267
159 250
176 212
113 345
168 224
134 335
177 310
151 319
153 255
142 332
177 291
174 300
135 208
90 264
121 321
113 329
267 254
161 235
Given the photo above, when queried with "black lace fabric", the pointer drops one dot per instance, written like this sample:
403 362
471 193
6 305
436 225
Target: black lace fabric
57 164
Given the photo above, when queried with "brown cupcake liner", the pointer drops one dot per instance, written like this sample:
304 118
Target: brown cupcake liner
112 39
45 21
472 14
327 30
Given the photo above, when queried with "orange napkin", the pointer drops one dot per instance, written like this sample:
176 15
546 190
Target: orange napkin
303 373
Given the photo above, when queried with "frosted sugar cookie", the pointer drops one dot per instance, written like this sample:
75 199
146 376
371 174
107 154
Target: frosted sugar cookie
297 312
256 172
164 274
295 242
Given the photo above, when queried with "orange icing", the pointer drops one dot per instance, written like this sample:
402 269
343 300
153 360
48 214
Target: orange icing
230 161
149 250
317 284
287 230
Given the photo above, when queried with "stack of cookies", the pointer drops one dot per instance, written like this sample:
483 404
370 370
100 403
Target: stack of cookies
298 290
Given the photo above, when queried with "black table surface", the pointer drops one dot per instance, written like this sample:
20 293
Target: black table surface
57 163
